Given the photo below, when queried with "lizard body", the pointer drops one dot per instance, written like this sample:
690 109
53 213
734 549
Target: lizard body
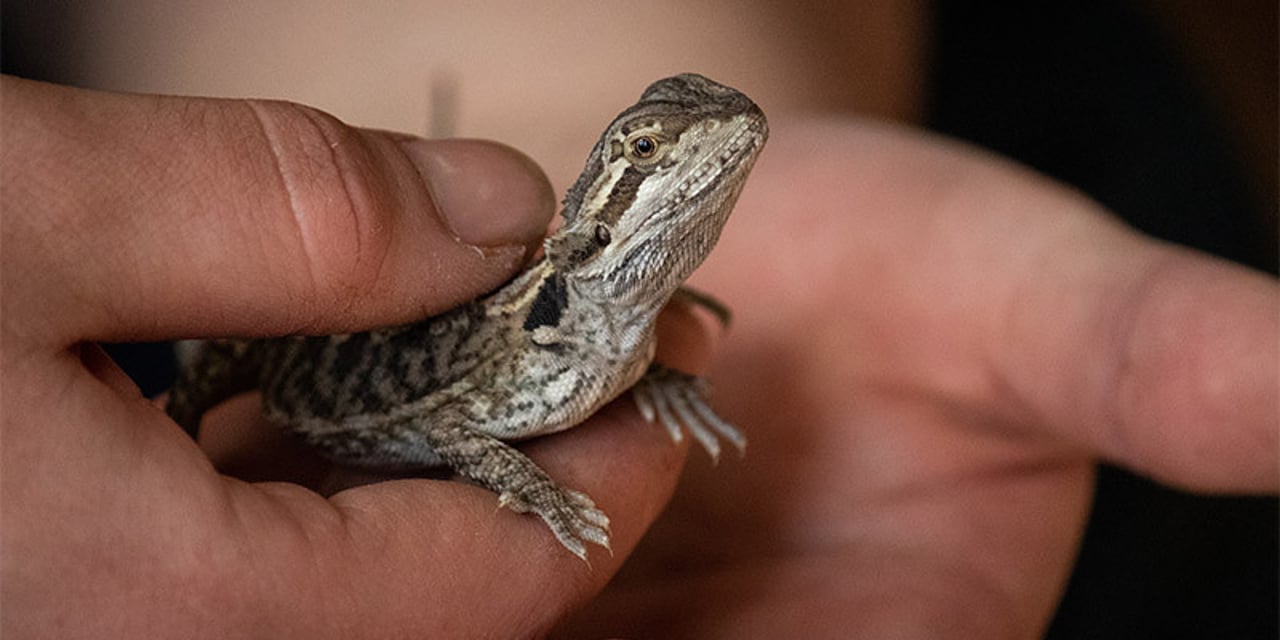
541 353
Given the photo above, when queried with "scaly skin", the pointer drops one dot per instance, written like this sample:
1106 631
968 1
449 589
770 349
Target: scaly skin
541 353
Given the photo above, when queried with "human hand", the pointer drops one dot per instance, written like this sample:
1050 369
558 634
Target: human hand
133 218
931 349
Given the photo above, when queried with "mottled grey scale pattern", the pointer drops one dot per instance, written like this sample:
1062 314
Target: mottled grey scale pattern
544 351
367 372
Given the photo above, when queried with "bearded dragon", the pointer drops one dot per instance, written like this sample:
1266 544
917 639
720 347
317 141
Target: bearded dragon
543 352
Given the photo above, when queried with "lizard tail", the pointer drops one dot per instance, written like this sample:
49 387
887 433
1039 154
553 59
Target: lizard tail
219 370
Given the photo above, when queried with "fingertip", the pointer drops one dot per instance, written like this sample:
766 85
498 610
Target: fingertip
487 194
1196 393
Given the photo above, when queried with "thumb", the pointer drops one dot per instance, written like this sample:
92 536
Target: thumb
146 217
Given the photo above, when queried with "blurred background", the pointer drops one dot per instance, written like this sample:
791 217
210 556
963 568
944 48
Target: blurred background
1165 112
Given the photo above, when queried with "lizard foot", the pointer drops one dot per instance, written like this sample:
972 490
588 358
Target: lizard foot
521 485
571 515
679 401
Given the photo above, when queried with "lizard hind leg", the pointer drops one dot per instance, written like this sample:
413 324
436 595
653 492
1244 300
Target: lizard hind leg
520 484
679 401
218 370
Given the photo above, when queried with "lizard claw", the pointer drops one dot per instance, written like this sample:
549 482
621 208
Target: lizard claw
571 515
679 401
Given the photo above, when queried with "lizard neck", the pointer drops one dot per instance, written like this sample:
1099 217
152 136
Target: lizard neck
545 298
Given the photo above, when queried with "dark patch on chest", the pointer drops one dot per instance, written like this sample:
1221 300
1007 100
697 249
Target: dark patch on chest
549 305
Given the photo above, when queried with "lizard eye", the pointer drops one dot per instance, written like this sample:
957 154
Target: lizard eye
603 237
644 147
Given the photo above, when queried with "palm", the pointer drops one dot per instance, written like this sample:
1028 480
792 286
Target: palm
886 472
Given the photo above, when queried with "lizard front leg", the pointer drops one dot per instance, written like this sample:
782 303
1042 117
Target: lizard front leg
698 298
520 484
678 399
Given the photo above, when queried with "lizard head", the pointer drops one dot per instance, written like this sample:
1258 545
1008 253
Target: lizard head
656 190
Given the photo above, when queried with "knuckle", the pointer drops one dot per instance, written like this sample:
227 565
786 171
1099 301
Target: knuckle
339 204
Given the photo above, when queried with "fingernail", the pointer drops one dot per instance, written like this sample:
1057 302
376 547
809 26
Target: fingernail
489 195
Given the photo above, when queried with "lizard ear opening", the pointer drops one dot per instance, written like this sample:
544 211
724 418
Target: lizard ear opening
603 236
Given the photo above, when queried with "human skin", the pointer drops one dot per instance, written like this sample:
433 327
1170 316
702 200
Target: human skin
931 349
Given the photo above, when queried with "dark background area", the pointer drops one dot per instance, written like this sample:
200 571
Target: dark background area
1101 95
1153 109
